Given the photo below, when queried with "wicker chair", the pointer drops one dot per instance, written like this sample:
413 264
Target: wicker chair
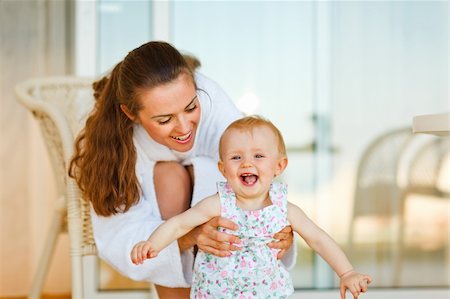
378 194
60 105
395 166
428 177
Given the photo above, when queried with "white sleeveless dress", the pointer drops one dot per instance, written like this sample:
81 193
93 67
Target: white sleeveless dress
254 271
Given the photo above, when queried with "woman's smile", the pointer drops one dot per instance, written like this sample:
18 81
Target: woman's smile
184 138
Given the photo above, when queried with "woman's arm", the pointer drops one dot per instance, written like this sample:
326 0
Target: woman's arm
176 227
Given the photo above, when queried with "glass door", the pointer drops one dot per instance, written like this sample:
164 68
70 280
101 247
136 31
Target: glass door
271 58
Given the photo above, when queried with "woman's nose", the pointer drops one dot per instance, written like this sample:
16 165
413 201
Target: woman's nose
183 124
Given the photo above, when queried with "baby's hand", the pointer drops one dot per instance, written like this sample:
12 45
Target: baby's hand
141 251
355 282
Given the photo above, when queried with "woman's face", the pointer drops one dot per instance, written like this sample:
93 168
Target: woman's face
171 112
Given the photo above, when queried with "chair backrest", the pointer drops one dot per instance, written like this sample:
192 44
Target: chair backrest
377 190
61 104
429 165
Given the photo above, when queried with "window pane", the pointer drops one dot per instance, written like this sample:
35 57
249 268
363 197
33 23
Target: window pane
122 26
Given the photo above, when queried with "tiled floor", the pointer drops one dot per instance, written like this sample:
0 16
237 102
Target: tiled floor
404 293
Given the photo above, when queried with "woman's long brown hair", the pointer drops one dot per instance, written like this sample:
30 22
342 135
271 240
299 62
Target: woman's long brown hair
104 161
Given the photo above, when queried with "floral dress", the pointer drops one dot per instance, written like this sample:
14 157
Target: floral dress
254 271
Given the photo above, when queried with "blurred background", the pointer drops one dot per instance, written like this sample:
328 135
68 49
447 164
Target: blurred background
341 79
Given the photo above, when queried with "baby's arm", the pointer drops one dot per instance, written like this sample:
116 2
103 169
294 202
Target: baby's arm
329 250
176 227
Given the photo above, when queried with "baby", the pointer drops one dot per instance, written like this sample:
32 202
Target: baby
252 153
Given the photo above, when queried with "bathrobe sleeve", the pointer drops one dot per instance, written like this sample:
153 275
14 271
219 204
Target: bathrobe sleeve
116 235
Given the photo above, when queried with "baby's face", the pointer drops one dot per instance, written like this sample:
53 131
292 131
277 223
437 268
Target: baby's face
250 160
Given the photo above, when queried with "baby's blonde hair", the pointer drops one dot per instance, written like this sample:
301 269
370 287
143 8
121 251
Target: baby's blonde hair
248 123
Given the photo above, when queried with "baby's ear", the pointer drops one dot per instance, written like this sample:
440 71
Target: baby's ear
221 168
281 165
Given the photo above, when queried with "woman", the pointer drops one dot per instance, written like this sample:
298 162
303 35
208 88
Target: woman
149 150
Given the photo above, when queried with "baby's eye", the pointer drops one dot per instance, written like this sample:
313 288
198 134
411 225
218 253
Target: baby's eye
236 158
259 156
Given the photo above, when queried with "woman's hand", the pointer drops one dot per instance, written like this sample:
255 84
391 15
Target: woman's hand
210 240
285 239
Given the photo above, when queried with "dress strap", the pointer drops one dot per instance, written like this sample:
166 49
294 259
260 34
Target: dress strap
227 200
278 195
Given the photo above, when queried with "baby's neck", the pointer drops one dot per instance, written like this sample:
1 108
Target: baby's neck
253 203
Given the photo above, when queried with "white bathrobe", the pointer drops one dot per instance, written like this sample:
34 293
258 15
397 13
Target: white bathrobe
115 235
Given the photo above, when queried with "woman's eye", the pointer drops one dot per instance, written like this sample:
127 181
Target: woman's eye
258 156
164 121
190 109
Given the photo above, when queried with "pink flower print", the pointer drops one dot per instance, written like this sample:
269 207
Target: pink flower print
274 253
273 286
224 273
201 294
243 264
210 266
242 296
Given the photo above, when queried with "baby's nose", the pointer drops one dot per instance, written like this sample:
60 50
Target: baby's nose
246 164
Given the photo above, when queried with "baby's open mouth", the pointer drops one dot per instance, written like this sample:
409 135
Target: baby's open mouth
249 178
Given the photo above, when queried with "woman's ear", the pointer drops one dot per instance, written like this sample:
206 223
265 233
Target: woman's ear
281 165
127 112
